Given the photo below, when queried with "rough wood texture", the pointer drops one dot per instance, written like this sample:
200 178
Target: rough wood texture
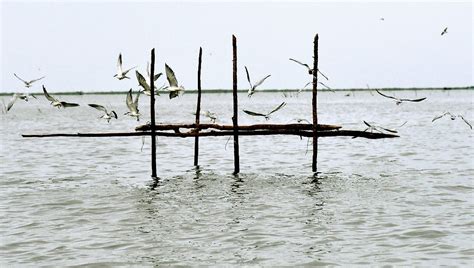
198 109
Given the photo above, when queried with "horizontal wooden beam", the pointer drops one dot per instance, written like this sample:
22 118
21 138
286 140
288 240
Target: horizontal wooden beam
302 133
240 127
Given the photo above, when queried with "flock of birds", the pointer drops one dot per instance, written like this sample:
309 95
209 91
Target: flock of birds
174 90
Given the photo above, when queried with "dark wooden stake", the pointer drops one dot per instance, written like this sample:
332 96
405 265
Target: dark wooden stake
198 110
235 104
152 114
315 105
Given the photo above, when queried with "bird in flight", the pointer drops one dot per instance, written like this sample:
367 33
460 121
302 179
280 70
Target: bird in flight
371 128
132 105
56 103
321 83
121 74
28 83
174 89
445 31
253 87
15 97
453 117
107 115
144 84
266 116
399 101
310 70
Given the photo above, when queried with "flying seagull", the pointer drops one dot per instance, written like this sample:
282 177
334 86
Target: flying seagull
321 83
132 105
380 129
28 83
56 103
17 96
212 116
445 31
253 87
453 117
399 101
144 84
267 116
107 115
310 70
121 74
173 88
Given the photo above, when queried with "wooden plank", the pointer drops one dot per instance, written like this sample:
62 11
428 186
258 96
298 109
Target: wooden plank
240 127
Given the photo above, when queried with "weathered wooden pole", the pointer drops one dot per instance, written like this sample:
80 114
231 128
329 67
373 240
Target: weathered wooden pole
315 105
152 114
235 105
198 110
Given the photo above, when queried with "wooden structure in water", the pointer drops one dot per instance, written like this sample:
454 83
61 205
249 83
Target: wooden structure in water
196 129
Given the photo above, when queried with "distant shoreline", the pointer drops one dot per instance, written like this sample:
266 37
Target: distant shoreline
207 91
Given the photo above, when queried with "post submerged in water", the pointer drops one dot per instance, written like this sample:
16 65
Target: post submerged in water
152 114
198 110
235 106
315 106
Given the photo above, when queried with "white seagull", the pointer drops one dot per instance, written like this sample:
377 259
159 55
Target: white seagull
173 88
108 115
310 70
253 87
132 105
121 74
399 101
17 96
453 117
56 103
267 116
28 83
144 84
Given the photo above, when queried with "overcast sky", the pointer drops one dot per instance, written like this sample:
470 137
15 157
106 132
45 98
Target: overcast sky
76 45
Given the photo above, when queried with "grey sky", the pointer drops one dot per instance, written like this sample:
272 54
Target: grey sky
76 45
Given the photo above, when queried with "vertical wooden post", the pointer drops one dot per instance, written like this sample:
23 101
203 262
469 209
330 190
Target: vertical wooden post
235 106
152 114
315 105
198 110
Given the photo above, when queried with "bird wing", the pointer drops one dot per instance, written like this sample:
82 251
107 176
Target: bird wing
12 101
261 81
37 79
170 76
386 96
323 75
367 124
135 103
129 100
414 100
324 85
277 108
254 113
465 121
98 107
142 81
20 79
115 114
128 70
389 130
156 76
439 116
119 64
68 104
300 63
48 97
248 77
